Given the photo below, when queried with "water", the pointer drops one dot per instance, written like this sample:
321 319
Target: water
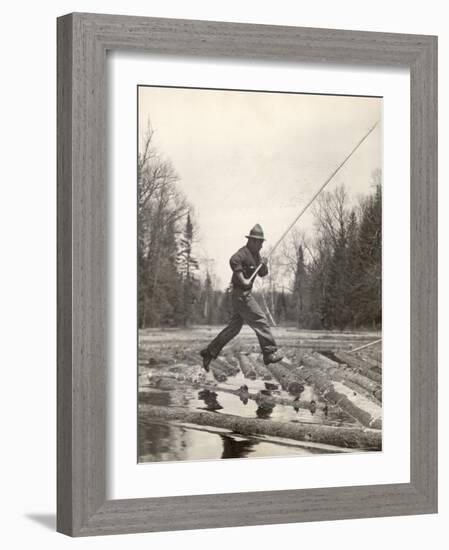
165 442
159 441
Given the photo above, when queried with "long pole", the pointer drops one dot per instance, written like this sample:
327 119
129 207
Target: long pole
366 346
281 238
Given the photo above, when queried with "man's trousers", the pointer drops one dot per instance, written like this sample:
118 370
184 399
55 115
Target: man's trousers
245 310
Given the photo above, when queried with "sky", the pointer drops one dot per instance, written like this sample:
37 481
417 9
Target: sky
246 157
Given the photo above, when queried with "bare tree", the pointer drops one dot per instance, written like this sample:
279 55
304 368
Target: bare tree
331 213
160 206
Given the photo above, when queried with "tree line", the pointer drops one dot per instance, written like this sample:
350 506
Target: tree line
336 277
330 280
170 288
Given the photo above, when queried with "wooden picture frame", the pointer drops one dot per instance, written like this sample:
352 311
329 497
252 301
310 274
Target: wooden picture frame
83 40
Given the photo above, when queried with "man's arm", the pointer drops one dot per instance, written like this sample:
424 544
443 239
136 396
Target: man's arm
236 265
264 269
243 281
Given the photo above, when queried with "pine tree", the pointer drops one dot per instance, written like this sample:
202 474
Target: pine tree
353 268
208 305
299 288
281 306
188 267
368 293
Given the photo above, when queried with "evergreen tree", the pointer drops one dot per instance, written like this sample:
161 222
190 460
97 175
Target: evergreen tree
344 280
208 301
368 294
353 268
299 288
281 307
188 268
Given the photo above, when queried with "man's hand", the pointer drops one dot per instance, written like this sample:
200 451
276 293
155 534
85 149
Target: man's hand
263 270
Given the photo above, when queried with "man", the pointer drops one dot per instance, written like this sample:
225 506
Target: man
245 308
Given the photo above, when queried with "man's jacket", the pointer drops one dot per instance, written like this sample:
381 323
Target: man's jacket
246 262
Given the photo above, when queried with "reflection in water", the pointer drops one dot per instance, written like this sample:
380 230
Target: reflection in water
264 410
243 394
296 407
155 440
210 399
164 442
234 448
159 442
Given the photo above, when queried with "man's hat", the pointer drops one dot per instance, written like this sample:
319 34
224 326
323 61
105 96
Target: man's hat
256 233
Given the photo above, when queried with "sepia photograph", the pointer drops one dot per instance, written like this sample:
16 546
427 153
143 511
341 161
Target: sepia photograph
259 251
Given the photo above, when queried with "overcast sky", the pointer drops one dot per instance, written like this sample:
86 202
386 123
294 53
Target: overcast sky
256 157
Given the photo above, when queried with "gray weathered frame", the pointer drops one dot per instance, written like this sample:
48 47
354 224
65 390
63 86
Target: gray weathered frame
83 40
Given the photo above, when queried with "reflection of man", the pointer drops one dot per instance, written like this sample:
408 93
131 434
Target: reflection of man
245 308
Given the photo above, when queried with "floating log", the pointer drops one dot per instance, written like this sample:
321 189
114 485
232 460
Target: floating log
329 363
359 365
330 334
287 378
229 368
231 359
313 375
356 408
181 372
165 384
347 437
294 356
261 370
370 386
159 361
376 396
342 374
247 367
315 345
374 363
143 379
218 372
194 358
374 353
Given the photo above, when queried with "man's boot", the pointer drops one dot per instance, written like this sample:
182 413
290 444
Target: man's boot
207 358
273 357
